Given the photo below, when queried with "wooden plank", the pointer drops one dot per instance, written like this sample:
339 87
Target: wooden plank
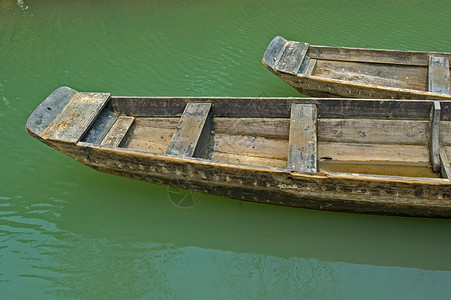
378 168
434 142
46 113
100 127
291 59
76 117
149 139
263 127
311 67
445 168
382 75
193 131
256 146
438 80
303 146
273 51
280 107
401 132
248 160
370 131
398 57
118 131
445 131
418 154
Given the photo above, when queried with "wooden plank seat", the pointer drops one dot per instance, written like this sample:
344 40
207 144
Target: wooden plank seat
76 117
118 131
438 79
191 137
434 142
303 144
292 57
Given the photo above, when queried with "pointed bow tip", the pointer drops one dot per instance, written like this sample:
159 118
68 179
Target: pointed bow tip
273 51
48 110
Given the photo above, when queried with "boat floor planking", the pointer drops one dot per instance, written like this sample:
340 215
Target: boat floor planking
370 158
323 71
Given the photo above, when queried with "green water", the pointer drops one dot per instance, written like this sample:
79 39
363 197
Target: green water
67 231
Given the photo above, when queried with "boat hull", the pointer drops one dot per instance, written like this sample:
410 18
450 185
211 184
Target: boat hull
333 192
355 72
150 139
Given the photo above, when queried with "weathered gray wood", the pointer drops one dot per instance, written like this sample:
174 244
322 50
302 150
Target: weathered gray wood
445 168
303 148
434 142
381 75
192 132
445 131
241 177
311 67
48 110
251 146
383 168
280 107
409 154
400 132
118 131
76 117
438 80
292 56
100 127
383 56
363 73
273 51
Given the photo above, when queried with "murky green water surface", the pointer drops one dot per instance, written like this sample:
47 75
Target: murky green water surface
67 231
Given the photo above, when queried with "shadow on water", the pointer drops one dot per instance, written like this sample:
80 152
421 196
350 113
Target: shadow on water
137 212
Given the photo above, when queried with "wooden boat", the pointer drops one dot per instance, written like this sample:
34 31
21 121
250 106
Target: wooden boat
388 157
322 71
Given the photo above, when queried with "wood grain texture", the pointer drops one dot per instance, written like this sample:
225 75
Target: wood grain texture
400 132
248 160
445 168
303 144
48 111
251 167
273 51
366 73
415 154
291 58
191 130
280 107
384 75
337 192
445 132
438 79
257 146
310 68
434 142
118 131
377 168
100 127
383 56
76 117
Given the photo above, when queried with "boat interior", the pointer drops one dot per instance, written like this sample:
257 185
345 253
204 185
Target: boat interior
411 70
384 68
394 138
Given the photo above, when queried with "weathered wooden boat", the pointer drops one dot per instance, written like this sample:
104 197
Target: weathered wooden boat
322 71
388 157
